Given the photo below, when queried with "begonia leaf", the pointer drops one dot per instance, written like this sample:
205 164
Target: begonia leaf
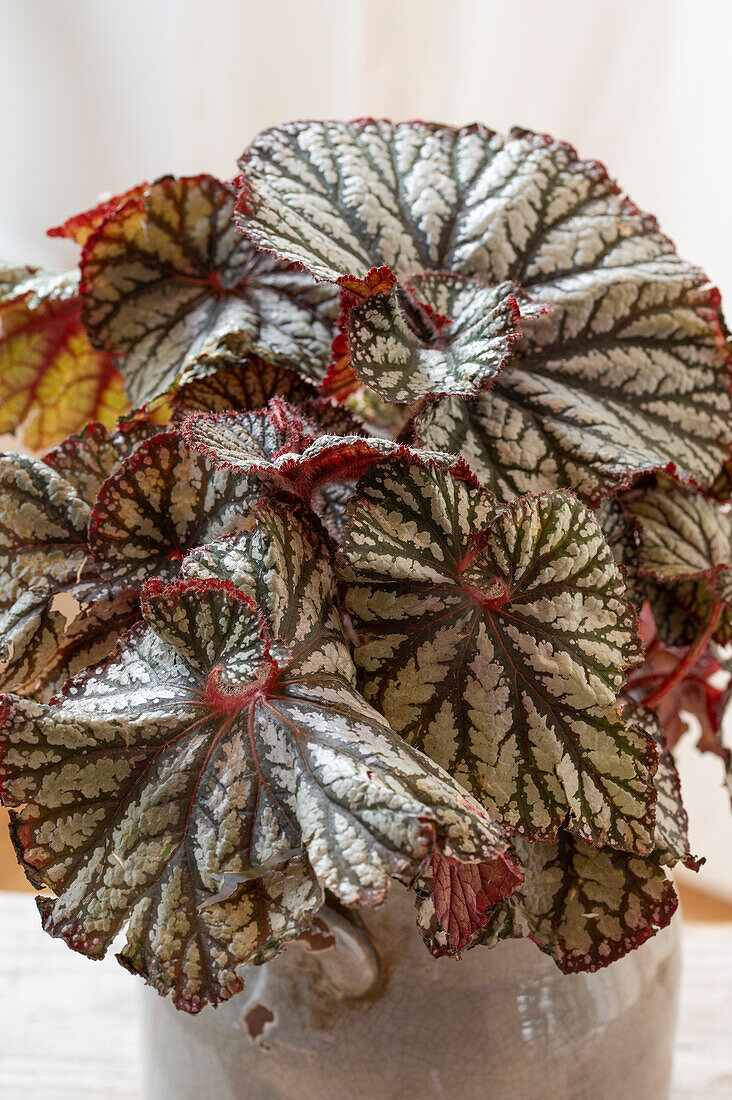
627 369
219 737
496 640
683 533
163 500
79 227
671 834
686 548
455 900
87 459
584 906
249 386
52 381
169 281
284 451
626 372
47 576
620 538
461 356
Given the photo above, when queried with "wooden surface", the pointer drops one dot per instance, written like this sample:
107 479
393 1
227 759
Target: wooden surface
69 1026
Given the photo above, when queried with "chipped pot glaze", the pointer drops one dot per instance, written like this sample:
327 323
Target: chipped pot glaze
336 1018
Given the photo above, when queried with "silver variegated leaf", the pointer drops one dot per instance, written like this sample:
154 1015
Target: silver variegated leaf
342 198
626 372
584 906
249 386
168 280
221 739
87 459
163 500
496 640
683 533
620 538
671 835
285 452
48 579
470 328
686 551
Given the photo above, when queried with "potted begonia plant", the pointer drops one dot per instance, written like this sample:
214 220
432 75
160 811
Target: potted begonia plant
383 545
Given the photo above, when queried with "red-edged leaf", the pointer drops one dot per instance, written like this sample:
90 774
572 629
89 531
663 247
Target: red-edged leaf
87 459
671 836
249 386
222 738
497 639
52 381
169 281
627 371
584 906
397 349
283 450
80 227
163 500
686 550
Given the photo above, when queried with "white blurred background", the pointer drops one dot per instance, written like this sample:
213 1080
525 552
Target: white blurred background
98 95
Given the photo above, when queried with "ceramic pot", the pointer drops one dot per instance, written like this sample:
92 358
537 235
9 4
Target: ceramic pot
360 1011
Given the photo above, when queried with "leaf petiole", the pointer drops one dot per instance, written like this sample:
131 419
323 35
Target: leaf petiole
687 662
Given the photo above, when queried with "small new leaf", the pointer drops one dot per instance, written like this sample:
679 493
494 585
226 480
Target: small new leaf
460 356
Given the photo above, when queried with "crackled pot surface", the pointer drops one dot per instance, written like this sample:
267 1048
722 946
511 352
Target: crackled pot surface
361 1010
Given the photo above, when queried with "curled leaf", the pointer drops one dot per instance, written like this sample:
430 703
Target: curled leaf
455 900
282 449
460 353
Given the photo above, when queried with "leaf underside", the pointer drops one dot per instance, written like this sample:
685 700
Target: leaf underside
52 381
